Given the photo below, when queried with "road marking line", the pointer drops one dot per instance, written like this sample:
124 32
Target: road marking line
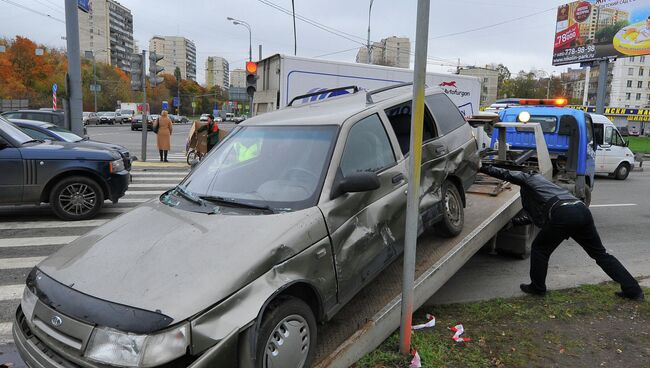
36 241
15 263
162 178
159 173
5 333
49 224
143 192
613 205
11 292
163 187
134 200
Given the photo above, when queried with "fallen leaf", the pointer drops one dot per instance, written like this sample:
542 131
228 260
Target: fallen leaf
562 351
619 351
513 349
552 316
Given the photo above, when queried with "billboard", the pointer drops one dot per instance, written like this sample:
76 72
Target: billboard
595 29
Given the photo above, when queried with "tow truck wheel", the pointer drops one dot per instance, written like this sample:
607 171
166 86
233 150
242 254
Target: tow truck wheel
453 216
622 171
287 337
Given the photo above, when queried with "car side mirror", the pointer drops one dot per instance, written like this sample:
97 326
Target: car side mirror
359 182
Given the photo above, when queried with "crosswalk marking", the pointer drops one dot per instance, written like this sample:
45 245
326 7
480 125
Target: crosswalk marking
14 263
50 224
36 241
161 178
166 185
5 333
11 292
43 234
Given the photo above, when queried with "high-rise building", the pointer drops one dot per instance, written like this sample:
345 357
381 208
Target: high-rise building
489 82
391 51
107 31
630 85
238 78
217 72
177 52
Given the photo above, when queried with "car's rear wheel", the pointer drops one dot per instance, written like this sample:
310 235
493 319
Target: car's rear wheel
453 215
76 198
287 337
622 171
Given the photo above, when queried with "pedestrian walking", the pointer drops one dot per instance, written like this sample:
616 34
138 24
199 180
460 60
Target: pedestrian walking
163 129
560 215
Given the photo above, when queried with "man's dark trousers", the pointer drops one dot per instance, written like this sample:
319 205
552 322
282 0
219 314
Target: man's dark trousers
575 221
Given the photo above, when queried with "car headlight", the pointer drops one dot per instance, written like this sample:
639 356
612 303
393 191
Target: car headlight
116 166
110 346
28 303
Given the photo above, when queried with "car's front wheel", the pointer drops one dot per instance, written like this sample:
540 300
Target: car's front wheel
76 198
453 215
287 337
622 171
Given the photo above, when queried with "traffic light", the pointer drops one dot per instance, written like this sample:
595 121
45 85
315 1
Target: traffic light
154 69
137 71
251 78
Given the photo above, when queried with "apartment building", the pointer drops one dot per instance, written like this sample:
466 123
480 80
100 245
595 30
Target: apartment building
177 52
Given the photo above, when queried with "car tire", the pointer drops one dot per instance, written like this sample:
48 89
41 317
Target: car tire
622 171
76 198
287 336
453 214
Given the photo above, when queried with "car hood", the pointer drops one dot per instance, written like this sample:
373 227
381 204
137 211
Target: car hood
102 145
179 263
56 150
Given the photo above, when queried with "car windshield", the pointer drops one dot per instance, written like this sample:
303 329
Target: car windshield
67 135
14 132
281 167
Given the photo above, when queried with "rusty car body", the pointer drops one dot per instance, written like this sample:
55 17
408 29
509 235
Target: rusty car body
274 231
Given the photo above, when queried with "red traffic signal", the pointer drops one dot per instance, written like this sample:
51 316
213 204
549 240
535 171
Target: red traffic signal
251 67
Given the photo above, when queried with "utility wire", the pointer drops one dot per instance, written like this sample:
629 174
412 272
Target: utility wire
34 11
492 25
48 5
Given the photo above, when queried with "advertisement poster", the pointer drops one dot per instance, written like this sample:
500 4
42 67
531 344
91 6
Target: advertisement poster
596 29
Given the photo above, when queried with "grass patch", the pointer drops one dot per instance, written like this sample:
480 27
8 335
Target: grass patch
639 144
581 327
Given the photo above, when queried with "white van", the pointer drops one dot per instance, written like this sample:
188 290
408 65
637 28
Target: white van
613 157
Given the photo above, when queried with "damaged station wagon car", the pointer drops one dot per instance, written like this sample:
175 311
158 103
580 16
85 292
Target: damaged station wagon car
274 231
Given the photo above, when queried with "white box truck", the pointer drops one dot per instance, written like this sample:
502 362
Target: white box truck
282 77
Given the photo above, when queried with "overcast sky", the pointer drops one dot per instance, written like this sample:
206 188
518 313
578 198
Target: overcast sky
519 44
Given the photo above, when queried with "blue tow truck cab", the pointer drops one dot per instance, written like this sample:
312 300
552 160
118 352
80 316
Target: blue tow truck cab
569 137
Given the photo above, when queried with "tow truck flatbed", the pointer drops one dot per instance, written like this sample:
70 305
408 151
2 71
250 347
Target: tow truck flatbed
368 319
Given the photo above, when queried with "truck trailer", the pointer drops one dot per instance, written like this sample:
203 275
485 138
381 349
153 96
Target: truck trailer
282 77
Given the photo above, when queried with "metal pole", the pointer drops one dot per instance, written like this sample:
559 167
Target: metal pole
250 58
548 88
145 125
602 87
260 58
415 161
585 96
74 66
95 79
368 44
295 38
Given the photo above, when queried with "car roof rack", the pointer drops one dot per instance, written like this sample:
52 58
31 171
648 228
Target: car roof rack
354 89
384 89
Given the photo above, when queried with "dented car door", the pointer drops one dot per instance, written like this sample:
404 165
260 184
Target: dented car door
366 228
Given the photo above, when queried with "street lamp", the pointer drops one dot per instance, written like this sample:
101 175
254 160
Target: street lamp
91 55
548 87
368 45
238 22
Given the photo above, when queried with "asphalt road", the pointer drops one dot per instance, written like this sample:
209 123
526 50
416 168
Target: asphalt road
122 135
621 210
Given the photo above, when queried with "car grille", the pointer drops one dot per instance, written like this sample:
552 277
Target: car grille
24 327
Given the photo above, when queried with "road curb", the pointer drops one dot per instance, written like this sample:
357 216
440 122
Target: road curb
159 164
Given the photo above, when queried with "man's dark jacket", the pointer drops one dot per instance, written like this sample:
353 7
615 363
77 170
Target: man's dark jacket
538 194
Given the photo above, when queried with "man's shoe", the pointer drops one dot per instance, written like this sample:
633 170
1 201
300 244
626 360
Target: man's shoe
638 297
528 289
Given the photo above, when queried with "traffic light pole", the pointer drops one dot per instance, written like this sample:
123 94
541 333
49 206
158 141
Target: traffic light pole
74 67
145 125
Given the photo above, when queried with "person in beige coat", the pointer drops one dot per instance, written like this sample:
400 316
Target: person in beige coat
164 132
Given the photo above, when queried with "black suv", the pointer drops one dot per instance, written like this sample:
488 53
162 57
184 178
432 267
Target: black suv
75 180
